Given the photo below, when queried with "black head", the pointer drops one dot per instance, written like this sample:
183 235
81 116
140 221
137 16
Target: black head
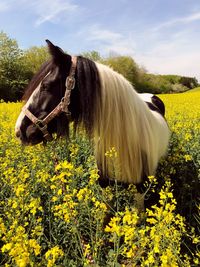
43 94
46 90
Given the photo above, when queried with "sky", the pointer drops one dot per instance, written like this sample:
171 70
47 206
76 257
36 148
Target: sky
163 36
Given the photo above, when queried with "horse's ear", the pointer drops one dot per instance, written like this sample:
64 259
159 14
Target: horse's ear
56 52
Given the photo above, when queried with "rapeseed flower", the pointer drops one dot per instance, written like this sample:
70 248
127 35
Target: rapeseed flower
51 203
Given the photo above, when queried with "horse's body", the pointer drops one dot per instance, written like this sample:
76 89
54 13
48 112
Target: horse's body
106 105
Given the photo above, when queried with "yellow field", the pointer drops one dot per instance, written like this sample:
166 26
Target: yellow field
53 212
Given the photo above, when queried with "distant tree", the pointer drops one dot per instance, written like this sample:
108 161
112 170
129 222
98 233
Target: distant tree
154 84
186 82
12 70
126 66
34 57
173 79
17 67
178 88
93 55
189 82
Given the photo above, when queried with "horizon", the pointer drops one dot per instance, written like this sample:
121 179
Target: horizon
162 36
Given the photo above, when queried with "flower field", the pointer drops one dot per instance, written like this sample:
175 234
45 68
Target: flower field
54 213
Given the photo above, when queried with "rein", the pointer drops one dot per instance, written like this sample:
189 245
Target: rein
62 107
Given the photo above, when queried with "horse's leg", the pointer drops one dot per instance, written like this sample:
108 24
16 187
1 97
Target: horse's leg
139 196
105 182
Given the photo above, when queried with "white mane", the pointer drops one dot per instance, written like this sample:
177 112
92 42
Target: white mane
124 121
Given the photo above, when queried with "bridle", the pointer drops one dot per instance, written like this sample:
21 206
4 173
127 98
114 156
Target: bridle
62 107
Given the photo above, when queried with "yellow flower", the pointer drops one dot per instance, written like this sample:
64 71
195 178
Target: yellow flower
187 157
112 153
113 226
52 255
35 246
6 247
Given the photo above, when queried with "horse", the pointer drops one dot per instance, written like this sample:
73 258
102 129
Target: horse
103 103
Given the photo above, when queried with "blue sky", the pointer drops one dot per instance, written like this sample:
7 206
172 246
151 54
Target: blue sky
161 35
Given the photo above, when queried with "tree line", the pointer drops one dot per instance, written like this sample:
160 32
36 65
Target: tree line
17 67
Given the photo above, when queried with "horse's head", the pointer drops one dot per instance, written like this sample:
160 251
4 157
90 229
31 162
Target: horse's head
43 95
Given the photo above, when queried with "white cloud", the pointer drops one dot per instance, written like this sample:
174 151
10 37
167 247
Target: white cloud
172 50
171 47
162 54
110 41
178 21
175 57
98 34
186 65
44 10
4 5
51 10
